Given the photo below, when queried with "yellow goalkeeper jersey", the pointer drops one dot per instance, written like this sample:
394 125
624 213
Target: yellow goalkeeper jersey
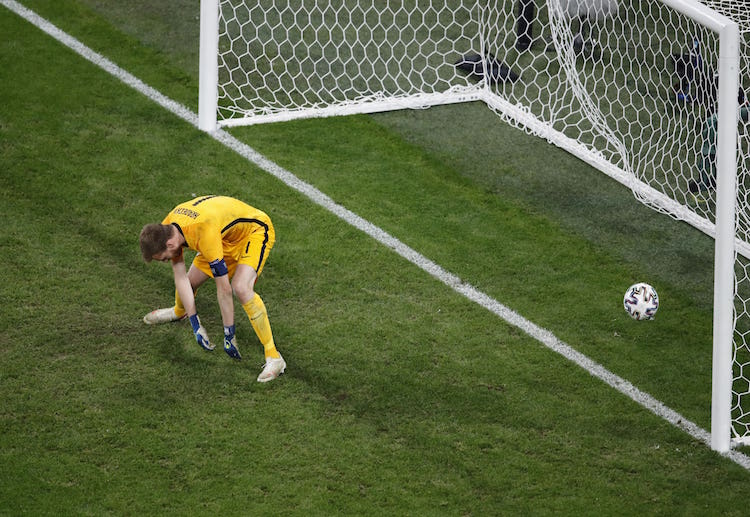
214 225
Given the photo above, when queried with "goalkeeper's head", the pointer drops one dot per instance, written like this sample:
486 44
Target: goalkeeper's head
154 238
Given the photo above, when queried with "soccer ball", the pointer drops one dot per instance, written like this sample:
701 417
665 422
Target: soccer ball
641 301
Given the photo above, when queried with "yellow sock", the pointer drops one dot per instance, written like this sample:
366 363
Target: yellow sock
179 309
256 311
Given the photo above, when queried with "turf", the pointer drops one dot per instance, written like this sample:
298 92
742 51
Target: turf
401 397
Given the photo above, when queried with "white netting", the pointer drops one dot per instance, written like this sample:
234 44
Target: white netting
628 86
282 58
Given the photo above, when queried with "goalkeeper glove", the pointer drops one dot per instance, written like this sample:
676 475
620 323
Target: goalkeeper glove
201 336
230 343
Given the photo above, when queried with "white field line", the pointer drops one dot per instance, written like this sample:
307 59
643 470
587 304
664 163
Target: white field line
542 335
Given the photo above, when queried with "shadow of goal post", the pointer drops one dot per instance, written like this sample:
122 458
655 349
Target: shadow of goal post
361 58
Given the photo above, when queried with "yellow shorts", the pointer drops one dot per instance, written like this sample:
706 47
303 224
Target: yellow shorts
252 252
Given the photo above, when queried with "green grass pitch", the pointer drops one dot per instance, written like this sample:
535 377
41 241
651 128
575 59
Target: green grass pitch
401 397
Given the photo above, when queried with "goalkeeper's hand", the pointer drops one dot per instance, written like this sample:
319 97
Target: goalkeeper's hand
230 343
201 336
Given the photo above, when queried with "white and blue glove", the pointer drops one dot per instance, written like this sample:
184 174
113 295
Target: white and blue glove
230 343
201 336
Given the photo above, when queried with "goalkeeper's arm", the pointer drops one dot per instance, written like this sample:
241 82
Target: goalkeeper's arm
185 291
226 304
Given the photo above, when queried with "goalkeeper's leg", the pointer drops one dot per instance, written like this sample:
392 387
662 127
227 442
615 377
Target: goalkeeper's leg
275 364
177 312
243 284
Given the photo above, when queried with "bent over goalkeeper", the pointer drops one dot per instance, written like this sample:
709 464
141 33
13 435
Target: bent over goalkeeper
233 240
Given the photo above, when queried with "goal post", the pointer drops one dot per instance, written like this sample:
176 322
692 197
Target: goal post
724 257
208 81
631 88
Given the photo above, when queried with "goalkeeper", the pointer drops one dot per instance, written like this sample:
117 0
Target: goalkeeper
233 240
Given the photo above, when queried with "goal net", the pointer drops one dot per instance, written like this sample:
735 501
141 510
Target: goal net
309 58
631 87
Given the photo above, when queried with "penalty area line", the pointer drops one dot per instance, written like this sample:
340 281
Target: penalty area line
318 197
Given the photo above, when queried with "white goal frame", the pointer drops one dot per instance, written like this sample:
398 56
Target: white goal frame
727 246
